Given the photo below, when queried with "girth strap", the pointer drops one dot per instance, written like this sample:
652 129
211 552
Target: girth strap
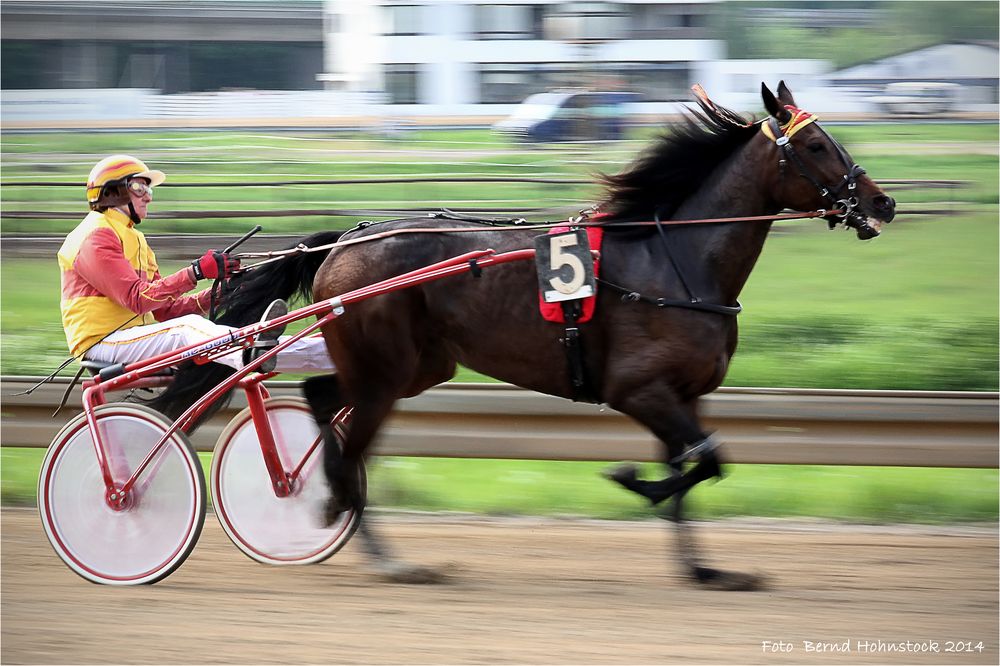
583 387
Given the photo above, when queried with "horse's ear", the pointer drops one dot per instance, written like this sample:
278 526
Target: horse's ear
785 95
773 106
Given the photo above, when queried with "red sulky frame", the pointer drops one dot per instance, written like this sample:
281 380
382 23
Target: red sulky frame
143 373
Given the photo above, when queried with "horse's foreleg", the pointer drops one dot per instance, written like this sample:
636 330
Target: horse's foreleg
691 558
687 544
675 423
708 466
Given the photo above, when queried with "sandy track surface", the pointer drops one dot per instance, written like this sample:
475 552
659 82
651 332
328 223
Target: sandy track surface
523 591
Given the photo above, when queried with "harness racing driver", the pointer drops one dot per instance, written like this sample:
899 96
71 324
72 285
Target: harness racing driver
116 308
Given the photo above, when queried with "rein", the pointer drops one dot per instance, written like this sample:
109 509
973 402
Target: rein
579 221
843 209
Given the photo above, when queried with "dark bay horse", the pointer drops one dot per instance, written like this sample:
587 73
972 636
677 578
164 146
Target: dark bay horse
651 363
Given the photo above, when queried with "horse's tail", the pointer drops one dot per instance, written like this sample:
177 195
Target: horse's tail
243 303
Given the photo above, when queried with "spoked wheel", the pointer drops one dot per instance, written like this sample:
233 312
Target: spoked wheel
269 528
139 539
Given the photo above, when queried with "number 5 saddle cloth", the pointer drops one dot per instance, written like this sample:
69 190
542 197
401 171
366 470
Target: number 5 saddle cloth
554 311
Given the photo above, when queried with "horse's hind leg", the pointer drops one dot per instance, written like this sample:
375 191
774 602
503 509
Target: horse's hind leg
323 394
371 401
342 469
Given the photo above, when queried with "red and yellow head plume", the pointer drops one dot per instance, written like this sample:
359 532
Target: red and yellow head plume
798 120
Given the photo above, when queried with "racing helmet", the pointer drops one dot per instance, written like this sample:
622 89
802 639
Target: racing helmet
117 169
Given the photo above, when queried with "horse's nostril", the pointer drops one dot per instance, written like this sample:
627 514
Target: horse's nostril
884 207
883 202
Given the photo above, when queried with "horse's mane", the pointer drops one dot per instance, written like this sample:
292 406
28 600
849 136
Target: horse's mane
674 167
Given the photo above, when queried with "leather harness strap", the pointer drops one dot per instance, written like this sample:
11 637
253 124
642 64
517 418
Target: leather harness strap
630 296
583 387
278 255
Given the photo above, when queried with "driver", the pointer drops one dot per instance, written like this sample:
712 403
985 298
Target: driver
116 308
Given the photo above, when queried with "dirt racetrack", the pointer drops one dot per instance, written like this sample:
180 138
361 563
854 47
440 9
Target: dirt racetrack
525 591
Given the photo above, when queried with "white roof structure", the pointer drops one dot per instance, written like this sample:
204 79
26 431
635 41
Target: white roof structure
956 61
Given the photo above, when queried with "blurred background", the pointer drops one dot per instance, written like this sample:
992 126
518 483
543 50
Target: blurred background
875 358
115 60
310 114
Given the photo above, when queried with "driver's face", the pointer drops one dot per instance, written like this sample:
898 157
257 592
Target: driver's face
140 194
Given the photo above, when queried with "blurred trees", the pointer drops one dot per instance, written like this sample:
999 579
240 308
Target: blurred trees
802 29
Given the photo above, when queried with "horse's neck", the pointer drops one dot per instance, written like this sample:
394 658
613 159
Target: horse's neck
721 256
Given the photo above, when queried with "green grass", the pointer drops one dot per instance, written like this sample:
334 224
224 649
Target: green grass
904 151
915 309
523 487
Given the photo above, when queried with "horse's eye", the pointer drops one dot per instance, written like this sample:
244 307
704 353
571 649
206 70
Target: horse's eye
816 147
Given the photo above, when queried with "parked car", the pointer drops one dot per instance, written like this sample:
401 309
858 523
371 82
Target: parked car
568 116
918 98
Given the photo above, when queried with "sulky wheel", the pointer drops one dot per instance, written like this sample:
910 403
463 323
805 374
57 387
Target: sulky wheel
267 527
114 539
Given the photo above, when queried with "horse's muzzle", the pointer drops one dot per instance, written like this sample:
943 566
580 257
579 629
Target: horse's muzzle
882 211
866 231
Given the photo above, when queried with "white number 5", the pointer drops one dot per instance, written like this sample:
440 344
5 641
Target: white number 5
560 258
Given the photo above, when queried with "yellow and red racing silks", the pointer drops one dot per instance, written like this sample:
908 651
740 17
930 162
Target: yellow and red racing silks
110 281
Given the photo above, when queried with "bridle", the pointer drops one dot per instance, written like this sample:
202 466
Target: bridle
840 197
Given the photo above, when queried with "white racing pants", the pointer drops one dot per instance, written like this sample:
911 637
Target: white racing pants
141 342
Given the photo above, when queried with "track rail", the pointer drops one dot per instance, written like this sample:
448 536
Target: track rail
791 426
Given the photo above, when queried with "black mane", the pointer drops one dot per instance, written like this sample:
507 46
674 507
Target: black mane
669 171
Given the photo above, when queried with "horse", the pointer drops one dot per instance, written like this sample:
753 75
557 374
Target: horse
663 330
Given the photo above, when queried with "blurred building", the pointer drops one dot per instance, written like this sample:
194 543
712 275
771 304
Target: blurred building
456 53
172 46
115 60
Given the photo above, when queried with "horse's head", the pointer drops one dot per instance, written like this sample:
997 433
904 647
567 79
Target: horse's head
815 172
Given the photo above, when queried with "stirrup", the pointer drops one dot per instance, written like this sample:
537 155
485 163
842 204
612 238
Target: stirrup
268 339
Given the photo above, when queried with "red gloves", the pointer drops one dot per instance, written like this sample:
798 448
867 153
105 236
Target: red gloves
213 264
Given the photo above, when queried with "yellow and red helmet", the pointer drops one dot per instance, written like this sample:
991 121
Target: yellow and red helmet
118 168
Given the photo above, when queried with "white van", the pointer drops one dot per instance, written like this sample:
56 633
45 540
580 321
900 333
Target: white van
918 98
568 115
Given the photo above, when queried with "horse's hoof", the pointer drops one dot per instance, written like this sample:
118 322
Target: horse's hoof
626 474
731 581
409 574
332 511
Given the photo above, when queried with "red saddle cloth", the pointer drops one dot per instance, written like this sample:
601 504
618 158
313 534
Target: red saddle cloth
554 311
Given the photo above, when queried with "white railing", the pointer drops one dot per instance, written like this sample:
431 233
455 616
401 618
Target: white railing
789 426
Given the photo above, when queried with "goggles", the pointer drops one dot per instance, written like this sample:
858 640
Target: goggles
139 187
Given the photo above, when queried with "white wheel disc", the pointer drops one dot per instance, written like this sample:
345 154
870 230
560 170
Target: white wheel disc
154 535
268 528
